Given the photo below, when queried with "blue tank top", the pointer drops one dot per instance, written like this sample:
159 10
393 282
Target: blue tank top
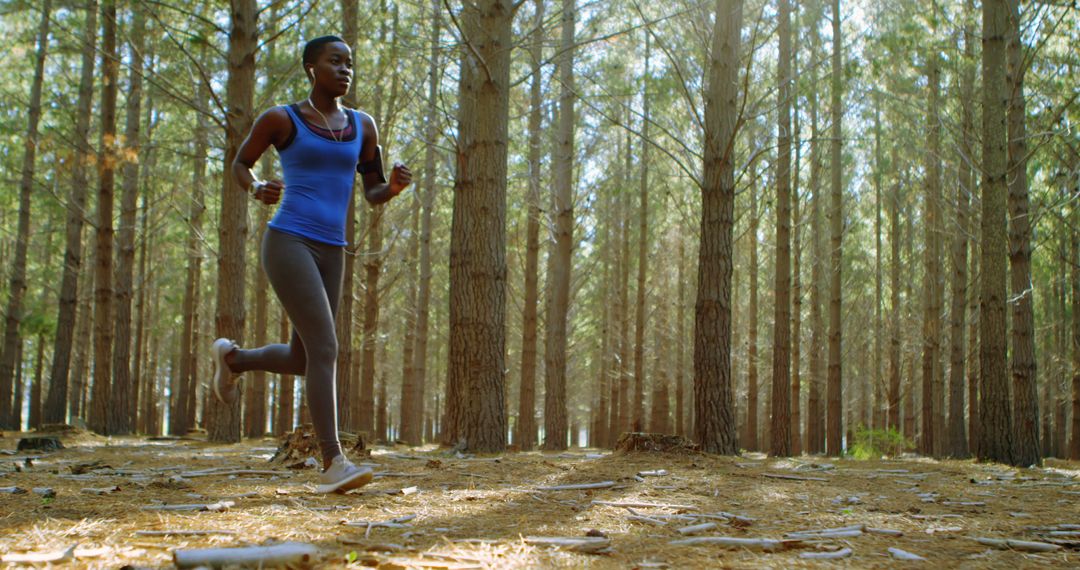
319 175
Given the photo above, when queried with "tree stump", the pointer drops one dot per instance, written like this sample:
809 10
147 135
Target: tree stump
654 442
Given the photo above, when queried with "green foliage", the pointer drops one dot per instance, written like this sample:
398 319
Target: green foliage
874 443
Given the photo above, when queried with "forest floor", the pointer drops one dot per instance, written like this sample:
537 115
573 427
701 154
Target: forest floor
451 511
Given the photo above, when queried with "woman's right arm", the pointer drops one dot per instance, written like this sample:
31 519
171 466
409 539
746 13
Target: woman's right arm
271 128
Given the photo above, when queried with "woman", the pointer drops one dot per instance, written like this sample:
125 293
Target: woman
321 146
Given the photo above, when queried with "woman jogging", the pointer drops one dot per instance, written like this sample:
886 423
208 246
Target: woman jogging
321 145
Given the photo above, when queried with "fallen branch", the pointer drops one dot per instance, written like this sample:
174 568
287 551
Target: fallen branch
903 554
792 477
765 544
100 490
212 507
586 544
178 532
694 529
578 486
645 505
41 557
260 556
1021 545
836 554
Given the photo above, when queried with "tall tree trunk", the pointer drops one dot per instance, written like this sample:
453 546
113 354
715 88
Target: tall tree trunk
85 322
714 425
815 417
879 325
182 417
973 309
780 438
555 413
643 247
834 393
661 393
1025 386
475 380
958 437
423 294
1061 442
525 435
56 404
365 418
124 405
750 428
17 287
796 237
680 345
223 423
140 371
626 413
344 318
896 312
1074 257
931 361
103 259
286 396
996 430
34 421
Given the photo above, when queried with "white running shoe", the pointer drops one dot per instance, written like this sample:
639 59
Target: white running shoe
343 476
224 379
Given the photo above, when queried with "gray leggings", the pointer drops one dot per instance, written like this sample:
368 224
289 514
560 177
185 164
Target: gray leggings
306 276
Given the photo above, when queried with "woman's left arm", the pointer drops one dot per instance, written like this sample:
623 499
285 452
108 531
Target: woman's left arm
377 189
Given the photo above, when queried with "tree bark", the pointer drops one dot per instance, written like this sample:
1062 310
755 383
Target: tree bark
714 425
223 422
996 430
835 427
102 396
780 438
17 286
123 410
1027 450
796 237
643 247
930 443
555 414
815 417
344 319
476 417
958 437
750 428
680 345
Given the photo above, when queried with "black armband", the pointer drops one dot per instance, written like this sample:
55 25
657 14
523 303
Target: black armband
374 165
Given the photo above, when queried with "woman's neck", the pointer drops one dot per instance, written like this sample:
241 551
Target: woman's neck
323 102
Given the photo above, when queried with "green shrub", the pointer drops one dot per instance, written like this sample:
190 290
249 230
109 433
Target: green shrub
874 443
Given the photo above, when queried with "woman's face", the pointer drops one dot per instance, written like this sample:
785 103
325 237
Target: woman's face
332 71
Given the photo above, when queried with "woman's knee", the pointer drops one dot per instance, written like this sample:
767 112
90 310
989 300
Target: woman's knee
326 350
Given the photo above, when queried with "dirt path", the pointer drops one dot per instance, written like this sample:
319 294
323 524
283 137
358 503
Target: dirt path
468 512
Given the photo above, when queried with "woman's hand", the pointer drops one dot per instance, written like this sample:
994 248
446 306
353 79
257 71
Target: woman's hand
269 192
400 177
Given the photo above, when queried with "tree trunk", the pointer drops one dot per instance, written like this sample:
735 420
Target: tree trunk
365 417
555 413
1025 386
286 396
896 312
1074 256
103 259
475 380
626 414
56 404
643 247
714 426
147 381
1061 384
815 417
796 238
661 394
123 408
680 345
835 427
958 437
423 294
780 438
223 422
996 431
750 428
931 395
525 435
879 325
344 318
17 287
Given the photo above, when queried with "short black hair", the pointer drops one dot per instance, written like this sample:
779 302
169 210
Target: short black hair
314 47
